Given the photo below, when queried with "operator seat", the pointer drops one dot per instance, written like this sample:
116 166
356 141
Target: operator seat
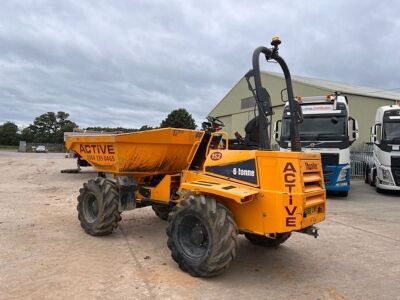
252 137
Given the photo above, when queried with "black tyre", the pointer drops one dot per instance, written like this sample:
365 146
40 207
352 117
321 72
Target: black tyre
161 211
272 241
372 182
202 236
98 206
343 193
366 174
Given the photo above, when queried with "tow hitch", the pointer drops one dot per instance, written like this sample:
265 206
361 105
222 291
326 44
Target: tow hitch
311 230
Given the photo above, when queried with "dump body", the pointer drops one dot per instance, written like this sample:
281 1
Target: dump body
153 152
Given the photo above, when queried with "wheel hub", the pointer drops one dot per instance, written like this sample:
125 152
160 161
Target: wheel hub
197 236
94 207
91 208
193 236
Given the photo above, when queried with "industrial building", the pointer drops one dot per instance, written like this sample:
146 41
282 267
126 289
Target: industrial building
237 107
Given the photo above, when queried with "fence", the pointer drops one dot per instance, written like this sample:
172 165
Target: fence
49 146
358 160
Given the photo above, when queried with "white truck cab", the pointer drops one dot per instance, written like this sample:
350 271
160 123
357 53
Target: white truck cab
384 172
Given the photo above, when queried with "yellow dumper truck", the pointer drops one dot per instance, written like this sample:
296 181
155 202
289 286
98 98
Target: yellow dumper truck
208 187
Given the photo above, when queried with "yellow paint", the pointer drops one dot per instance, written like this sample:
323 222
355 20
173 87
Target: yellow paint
160 151
289 192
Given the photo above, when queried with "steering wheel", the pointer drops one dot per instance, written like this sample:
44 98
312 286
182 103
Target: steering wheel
215 121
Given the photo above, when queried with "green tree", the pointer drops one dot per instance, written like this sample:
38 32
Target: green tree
28 134
48 128
66 127
145 127
9 134
112 129
120 129
179 118
45 127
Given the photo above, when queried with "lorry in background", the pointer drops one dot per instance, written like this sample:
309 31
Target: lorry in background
384 170
328 129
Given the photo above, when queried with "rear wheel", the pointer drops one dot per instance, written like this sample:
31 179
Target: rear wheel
273 240
376 180
202 236
366 174
98 206
161 211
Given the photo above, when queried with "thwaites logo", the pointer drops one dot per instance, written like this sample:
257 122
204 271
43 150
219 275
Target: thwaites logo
289 177
310 166
216 155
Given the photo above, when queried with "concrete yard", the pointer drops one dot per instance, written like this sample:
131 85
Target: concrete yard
44 253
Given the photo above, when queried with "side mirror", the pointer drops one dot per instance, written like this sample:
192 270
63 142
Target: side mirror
354 131
378 133
282 97
277 130
372 135
357 131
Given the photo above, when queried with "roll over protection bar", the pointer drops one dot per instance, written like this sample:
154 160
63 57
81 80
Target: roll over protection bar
263 98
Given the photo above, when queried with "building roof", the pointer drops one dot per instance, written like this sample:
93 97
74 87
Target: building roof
342 87
320 84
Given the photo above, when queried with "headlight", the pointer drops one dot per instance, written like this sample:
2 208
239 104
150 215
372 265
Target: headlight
386 176
343 174
342 183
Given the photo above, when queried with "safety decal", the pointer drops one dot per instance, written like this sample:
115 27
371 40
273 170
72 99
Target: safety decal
244 170
289 177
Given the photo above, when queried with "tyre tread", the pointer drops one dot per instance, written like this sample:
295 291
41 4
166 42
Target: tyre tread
223 248
110 217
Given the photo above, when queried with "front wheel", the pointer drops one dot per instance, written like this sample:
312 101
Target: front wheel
202 236
98 206
273 240
373 178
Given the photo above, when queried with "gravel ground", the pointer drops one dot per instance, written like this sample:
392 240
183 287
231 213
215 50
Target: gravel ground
44 253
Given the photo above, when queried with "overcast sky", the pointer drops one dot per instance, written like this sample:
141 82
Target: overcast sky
129 63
